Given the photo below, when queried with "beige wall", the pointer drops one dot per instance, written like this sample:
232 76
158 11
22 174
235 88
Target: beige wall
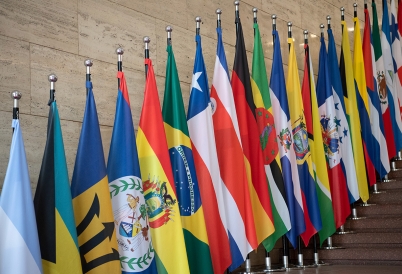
39 37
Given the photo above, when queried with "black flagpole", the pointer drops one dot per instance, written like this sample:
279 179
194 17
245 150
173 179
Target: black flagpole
88 63
146 43
169 30
119 52
198 23
16 96
52 79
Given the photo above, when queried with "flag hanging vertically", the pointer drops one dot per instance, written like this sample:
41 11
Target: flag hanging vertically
381 161
290 173
391 77
158 184
397 57
253 159
300 132
19 248
382 87
269 143
129 207
54 207
200 125
331 122
363 104
347 163
91 199
241 228
352 114
315 141
185 178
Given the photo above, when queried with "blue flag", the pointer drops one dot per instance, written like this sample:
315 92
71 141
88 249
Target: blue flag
19 248
125 185
91 199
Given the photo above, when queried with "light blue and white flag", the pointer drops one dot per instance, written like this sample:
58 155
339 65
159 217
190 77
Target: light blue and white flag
19 242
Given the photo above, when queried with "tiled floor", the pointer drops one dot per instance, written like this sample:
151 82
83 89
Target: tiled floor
346 269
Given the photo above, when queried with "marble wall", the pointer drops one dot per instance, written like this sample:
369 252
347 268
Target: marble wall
39 37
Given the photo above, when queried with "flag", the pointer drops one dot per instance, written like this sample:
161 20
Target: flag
241 228
126 191
382 87
249 133
53 205
363 104
381 161
315 140
347 163
352 114
397 62
269 143
91 199
331 121
200 126
158 184
389 71
19 248
290 173
300 125
185 178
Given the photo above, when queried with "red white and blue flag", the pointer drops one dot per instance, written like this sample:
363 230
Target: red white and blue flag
201 130
241 228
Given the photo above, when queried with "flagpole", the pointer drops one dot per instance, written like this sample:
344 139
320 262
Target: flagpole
16 96
328 22
169 30
52 79
198 21
88 63
119 52
218 21
273 27
237 16
289 31
146 44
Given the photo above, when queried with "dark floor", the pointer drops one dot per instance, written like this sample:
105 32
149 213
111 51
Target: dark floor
343 269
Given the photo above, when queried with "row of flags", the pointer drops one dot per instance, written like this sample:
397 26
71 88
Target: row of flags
254 160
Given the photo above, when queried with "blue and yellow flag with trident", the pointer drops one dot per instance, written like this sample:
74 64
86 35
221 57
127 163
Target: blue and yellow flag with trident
158 184
91 199
181 157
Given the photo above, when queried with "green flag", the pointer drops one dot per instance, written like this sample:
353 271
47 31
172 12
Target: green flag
181 157
269 143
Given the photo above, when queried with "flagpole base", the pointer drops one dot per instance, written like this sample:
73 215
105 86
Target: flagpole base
365 204
376 191
354 215
386 180
317 261
330 246
393 166
342 231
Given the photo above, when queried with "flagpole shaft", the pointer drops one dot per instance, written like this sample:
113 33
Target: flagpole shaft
218 20
289 32
237 16
52 80
305 32
88 63
355 10
146 45
119 52
273 27
16 96
329 21
198 25
169 30
255 10
342 13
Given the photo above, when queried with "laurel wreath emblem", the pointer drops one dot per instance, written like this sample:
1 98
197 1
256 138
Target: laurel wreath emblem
124 185
140 261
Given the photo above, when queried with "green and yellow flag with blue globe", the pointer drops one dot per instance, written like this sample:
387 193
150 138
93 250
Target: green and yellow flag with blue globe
181 157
